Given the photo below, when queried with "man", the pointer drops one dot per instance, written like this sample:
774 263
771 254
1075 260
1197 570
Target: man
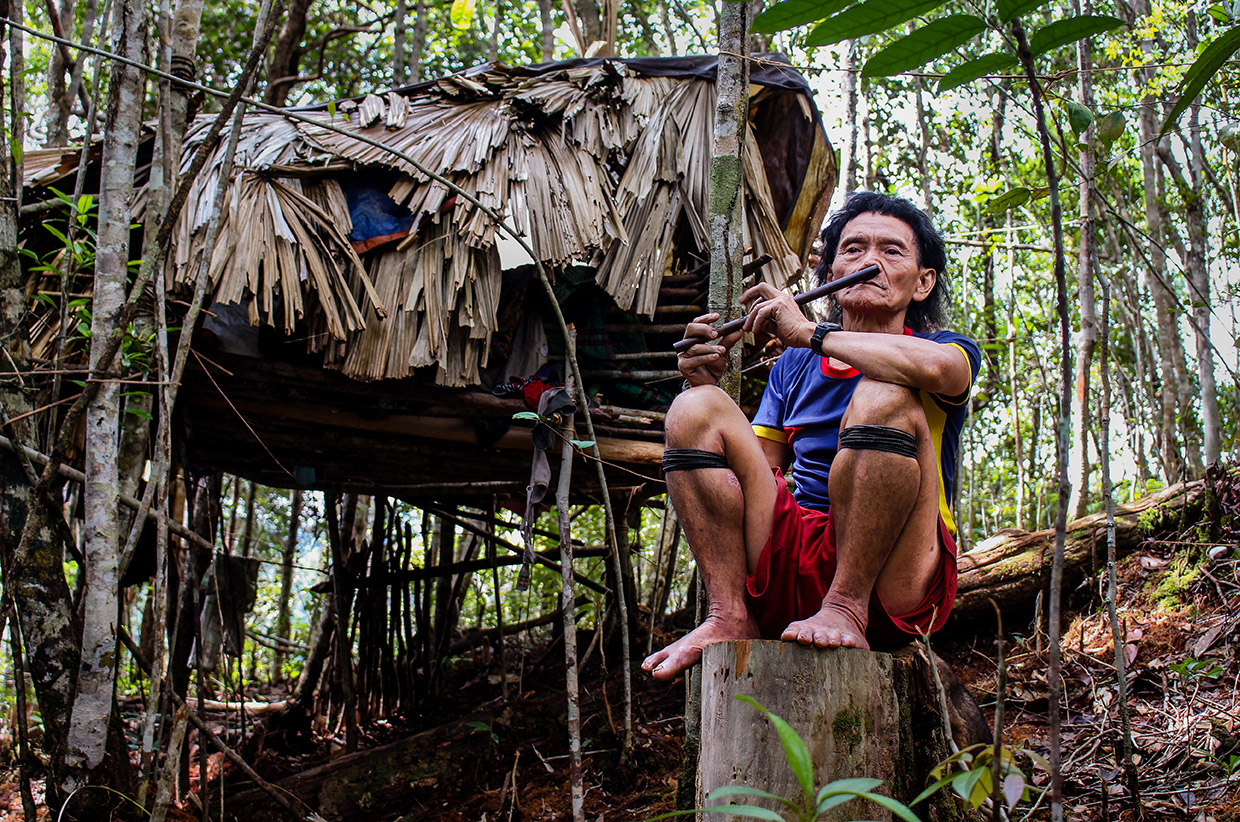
867 411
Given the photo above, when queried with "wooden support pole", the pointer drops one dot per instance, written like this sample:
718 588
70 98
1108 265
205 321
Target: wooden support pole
861 713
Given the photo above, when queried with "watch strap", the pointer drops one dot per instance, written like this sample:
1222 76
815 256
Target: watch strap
820 334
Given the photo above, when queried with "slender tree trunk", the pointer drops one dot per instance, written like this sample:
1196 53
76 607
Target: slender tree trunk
339 532
247 532
1065 422
493 49
849 171
34 571
1172 463
92 705
590 18
59 103
1087 340
286 55
399 28
186 30
284 611
419 41
669 34
74 92
923 146
1199 275
569 608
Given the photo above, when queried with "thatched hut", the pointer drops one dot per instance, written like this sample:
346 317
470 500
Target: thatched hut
365 319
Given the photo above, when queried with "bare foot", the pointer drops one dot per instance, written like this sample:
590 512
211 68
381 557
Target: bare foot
835 626
687 651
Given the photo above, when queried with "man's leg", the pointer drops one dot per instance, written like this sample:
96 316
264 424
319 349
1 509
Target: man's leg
726 515
885 507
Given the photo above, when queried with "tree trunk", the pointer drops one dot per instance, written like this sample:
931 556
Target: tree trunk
284 612
286 55
247 532
92 707
34 556
1172 463
590 19
59 103
1199 275
1087 340
399 20
860 713
419 41
849 174
569 609
493 48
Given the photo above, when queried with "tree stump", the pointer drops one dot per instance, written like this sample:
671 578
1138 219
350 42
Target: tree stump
861 714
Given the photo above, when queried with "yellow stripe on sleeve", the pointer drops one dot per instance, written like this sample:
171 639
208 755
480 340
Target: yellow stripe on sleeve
773 434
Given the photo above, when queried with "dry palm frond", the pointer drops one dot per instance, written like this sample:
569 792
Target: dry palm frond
589 164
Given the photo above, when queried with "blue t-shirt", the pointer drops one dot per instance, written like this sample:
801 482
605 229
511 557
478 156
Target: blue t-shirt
805 400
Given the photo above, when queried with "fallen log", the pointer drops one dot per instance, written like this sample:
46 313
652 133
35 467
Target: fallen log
1013 566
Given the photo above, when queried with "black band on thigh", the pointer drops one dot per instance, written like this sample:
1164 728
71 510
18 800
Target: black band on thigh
691 459
878 438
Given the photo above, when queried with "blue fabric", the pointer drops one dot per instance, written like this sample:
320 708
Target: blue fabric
806 399
374 213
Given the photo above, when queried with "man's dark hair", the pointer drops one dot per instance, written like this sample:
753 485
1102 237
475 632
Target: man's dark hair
930 313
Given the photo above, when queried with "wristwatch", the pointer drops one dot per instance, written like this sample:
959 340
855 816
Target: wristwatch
820 334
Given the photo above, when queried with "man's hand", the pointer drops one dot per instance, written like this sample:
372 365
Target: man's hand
775 315
705 362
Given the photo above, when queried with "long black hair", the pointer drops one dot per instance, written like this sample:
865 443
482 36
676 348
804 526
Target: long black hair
927 315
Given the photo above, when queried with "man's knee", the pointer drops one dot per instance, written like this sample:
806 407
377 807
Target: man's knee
885 403
696 414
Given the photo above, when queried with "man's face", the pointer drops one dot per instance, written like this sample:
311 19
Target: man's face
890 243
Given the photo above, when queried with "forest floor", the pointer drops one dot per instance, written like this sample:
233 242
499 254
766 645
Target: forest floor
481 758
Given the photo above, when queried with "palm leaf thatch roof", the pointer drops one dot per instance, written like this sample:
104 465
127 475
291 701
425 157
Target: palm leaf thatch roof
603 163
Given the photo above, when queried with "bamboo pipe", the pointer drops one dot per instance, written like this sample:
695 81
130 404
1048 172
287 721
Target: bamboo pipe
680 346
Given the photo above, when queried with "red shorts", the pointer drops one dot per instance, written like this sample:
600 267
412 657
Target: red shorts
798 564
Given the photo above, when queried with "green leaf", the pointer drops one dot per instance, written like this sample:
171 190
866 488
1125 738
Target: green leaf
1200 72
792 13
964 783
842 786
983 789
1110 127
583 444
85 203
1079 117
1069 30
15 149
140 413
1012 198
972 70
731 810
331 110
894 805
870 17
923 45
527 415
1009 10
794 748
462 14
830 802
745 790
933 789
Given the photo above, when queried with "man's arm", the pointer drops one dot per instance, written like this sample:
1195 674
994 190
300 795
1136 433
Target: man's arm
895 358
903 360
778 454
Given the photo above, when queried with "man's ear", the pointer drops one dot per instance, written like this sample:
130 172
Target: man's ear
925 284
